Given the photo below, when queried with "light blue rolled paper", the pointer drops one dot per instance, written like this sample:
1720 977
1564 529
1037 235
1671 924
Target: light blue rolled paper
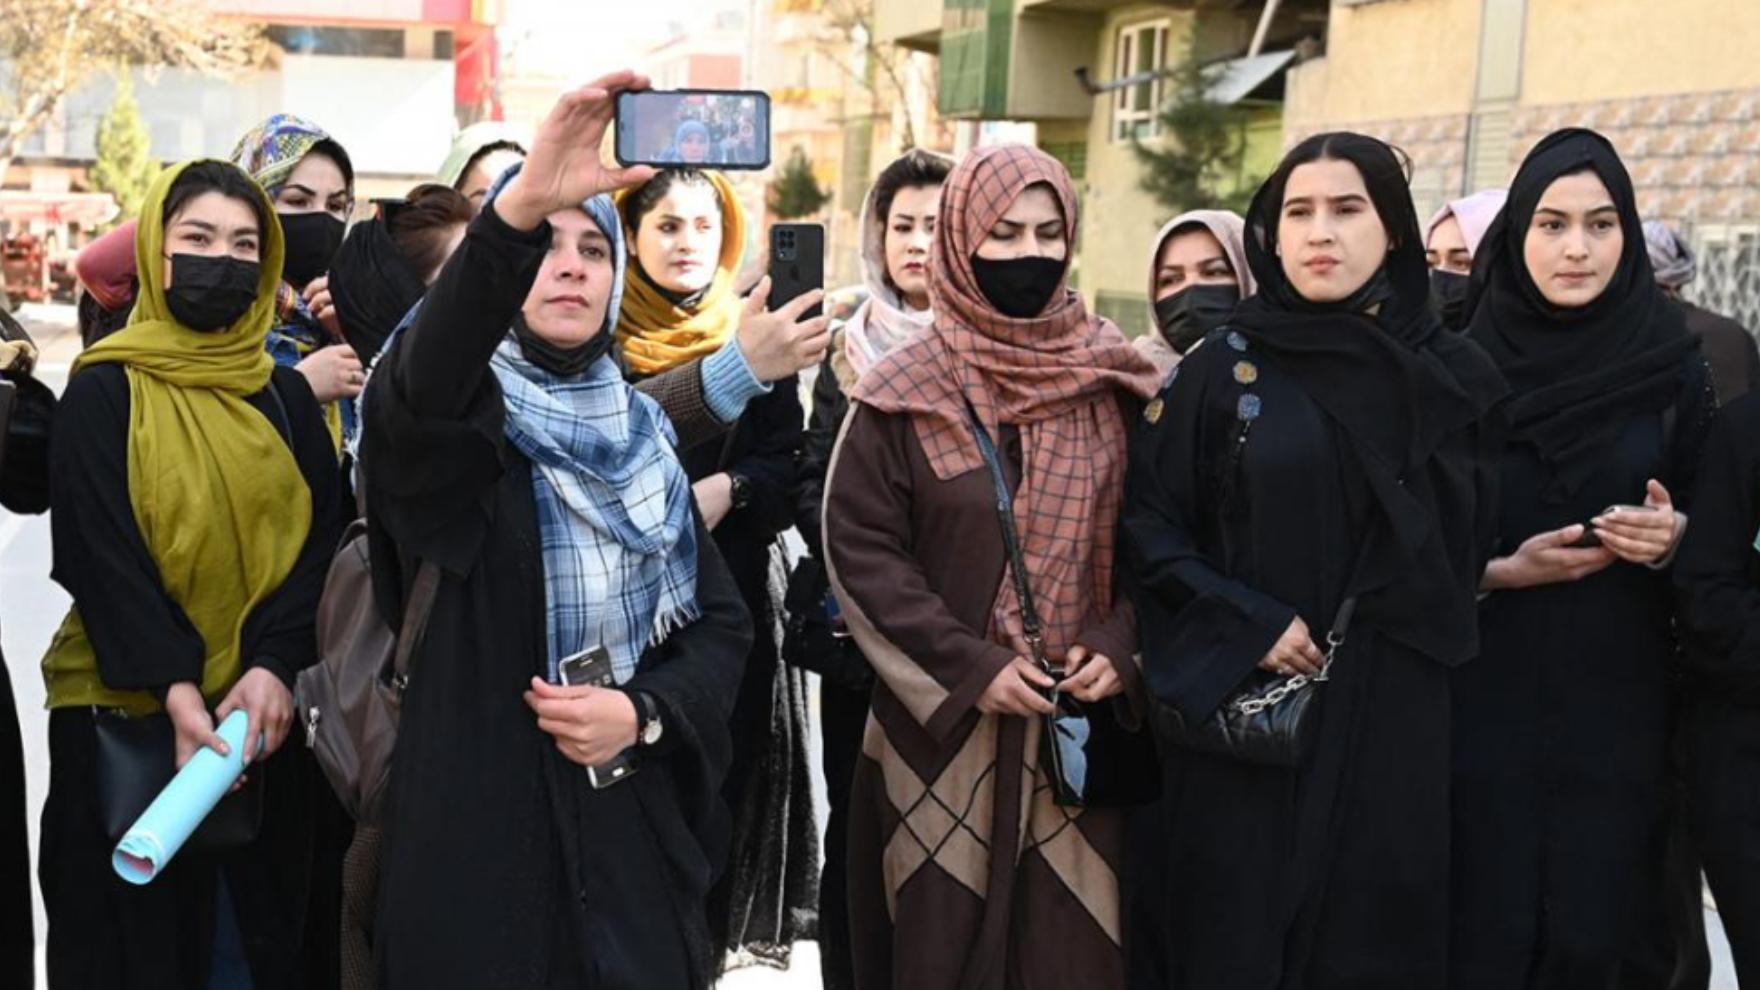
174 815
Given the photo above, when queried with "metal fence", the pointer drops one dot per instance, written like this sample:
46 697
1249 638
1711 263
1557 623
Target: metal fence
1729 271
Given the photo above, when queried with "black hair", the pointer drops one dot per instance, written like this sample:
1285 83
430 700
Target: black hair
333 151
916 169
224 178
1386 172
422 224
484 152
642 202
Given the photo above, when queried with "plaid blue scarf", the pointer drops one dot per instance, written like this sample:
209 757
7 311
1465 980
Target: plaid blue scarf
614 508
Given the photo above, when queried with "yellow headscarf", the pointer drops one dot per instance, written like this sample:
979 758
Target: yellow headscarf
658 336
218 496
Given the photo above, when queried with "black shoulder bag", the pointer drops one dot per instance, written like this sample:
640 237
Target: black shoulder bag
1269 720
1088 757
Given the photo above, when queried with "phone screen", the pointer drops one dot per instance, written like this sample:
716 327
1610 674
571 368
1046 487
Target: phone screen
728 129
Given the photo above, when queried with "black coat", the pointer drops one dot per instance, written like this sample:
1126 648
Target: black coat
1250 877
24 488
503 867
1562 724
105 932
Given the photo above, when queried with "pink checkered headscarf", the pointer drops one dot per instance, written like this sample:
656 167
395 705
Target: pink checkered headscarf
1057 377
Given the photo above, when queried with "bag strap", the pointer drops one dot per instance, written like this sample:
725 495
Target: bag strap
1031 624
415 620
283 423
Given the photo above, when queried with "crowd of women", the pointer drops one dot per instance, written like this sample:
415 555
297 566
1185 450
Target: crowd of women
1347 630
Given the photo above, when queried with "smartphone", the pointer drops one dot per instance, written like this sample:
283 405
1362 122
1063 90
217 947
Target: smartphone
1589 540
797 264
592 668
694 128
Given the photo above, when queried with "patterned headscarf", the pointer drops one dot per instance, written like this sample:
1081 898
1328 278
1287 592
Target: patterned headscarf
1057 376
270 150
1669 255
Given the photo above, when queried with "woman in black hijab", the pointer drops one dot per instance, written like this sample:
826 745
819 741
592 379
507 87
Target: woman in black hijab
1561 725
1328 443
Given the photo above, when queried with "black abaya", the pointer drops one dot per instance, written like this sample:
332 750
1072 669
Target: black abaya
1717 580
1562 729
105 933
1334 875
1562 725
503 867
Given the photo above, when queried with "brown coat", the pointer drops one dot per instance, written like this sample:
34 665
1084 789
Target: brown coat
963 872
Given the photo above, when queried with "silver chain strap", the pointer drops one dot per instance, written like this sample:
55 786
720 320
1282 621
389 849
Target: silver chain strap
1277 695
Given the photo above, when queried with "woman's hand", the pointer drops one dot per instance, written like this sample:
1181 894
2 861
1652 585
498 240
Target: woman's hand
714 498
780 344
1294 652
317 297
190 722
1547 558
1643 536
1016 690
591 725
268 708
565 167
334 373
1089 676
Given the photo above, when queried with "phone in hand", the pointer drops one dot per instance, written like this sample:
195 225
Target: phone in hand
592 668
797 264
694 128
1590 539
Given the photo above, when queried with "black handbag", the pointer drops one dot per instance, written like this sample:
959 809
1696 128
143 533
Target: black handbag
1089 758
812 638
137 757
1269 721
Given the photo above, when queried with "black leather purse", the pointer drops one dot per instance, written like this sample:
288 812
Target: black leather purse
1268 721
137 757
1089 758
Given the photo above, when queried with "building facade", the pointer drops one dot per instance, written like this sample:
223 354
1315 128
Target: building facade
1089 76
429 65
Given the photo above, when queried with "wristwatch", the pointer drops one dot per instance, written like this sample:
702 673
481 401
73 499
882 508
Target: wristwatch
648 724
740 489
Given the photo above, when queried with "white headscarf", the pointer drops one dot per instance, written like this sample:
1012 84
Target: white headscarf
884 320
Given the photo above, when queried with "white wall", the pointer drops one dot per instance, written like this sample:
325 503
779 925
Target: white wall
395 116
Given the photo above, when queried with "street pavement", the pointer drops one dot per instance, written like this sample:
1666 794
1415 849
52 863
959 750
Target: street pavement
31 607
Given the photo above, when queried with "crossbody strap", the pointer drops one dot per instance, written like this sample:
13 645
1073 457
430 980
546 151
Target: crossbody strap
1031 625
415 620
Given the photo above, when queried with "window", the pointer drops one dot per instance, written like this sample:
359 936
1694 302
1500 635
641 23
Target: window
305 39
1142 49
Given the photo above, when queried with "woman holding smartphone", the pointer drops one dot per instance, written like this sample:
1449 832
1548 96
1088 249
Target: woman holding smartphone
502 445
1561 724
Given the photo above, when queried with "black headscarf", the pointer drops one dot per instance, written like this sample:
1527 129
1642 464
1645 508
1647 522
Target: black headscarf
1397 385
373 285
1425 383
1576 373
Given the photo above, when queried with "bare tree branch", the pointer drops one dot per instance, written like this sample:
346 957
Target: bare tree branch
51 47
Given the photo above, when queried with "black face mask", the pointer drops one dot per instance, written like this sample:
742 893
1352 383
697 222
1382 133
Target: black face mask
312 240
1449 289
1018 287
208 294
1189 315
563 361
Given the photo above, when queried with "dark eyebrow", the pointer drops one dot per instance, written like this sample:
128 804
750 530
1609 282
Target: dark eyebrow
202 225
308 190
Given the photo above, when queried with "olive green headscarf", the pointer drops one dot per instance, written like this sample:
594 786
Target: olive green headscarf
218 496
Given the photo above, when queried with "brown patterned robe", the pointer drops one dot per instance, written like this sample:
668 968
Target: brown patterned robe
963 872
